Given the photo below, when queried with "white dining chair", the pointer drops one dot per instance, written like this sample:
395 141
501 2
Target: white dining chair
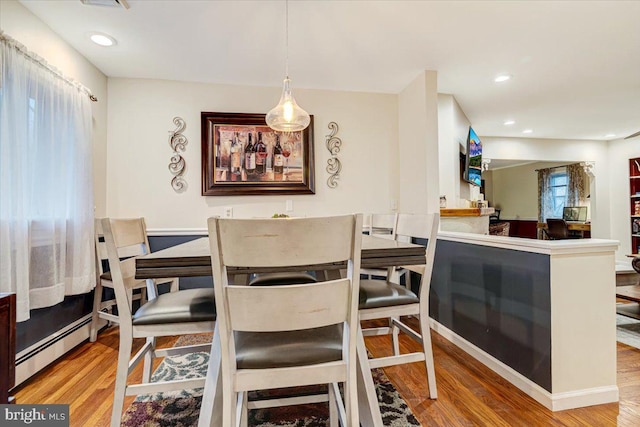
104 309
384 226
183 312
384 299
287 335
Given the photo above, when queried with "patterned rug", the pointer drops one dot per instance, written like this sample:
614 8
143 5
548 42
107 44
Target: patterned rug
181 408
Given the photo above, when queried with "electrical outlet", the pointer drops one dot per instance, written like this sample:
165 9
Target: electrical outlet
228 212
289 206
394 204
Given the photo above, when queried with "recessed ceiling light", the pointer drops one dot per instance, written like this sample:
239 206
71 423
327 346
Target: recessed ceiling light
102 39
610 135
509 122
502 78
527 131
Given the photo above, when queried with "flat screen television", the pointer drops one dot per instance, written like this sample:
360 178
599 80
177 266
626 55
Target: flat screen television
473 165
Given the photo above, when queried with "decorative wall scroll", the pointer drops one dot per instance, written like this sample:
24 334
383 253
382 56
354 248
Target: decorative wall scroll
178 141
333 164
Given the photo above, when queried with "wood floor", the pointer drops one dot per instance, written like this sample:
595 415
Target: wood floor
469 394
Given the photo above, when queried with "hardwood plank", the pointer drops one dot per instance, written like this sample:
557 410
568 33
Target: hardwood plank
469 394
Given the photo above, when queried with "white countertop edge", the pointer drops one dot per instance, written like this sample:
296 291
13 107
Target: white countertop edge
549 247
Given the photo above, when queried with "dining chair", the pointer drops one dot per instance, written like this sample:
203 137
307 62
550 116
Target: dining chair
384 299
182 312
291 335
558 229
384 226
104 309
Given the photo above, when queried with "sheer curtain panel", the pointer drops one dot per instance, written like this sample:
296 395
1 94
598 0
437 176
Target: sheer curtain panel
46 182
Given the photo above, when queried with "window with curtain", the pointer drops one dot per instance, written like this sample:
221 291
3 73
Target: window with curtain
559 187
46 188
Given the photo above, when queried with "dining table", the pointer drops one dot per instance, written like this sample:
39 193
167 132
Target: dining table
192 259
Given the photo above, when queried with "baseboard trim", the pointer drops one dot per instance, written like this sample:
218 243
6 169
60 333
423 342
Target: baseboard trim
38 356
586 397
551 401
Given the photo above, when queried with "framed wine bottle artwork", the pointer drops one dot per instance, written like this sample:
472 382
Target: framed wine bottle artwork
241 155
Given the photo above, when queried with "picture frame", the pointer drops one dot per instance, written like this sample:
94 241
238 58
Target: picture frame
274 163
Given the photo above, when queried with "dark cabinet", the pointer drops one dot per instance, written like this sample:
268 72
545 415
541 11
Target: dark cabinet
7 345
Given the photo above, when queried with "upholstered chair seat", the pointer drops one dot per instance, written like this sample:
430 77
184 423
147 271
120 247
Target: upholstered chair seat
263 350
380 293
189 305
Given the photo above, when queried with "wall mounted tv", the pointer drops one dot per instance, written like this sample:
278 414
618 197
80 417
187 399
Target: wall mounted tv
473 165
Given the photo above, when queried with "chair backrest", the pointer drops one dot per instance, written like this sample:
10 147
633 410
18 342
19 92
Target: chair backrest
101 248
424 227
382 225
285 243
125 239
557 229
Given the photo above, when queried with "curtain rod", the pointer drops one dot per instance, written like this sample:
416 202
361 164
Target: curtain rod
9 41
558 167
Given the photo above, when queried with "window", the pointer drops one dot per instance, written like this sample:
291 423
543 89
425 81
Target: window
558 190
46 190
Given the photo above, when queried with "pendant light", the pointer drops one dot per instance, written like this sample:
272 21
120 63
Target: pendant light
287 116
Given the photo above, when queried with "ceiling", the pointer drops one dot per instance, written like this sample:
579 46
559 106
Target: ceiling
575 64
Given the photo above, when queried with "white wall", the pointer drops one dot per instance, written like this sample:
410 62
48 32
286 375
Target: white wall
620 151
140 118
418 145
19 23
453 126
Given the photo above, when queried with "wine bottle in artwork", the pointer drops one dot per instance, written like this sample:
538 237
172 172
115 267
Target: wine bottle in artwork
278 158
250 157
236 158
261 155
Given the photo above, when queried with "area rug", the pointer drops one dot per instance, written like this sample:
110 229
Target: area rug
628 331
181 408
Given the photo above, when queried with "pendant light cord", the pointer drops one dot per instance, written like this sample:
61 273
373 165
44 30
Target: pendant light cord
287 38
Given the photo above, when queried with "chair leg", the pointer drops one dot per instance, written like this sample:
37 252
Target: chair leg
425 331
122 371
211 409
244 409
368 406
351 400
395 332
334 414
147 368
229 402
97 302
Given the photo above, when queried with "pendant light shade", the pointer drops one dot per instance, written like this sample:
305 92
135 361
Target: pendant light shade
287 116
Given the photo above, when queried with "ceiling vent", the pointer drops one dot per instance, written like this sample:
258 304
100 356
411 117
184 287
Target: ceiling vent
106 3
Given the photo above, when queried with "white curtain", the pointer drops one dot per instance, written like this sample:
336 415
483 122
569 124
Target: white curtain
46 188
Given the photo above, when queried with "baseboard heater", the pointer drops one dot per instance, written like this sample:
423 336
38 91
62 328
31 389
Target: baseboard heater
46 351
